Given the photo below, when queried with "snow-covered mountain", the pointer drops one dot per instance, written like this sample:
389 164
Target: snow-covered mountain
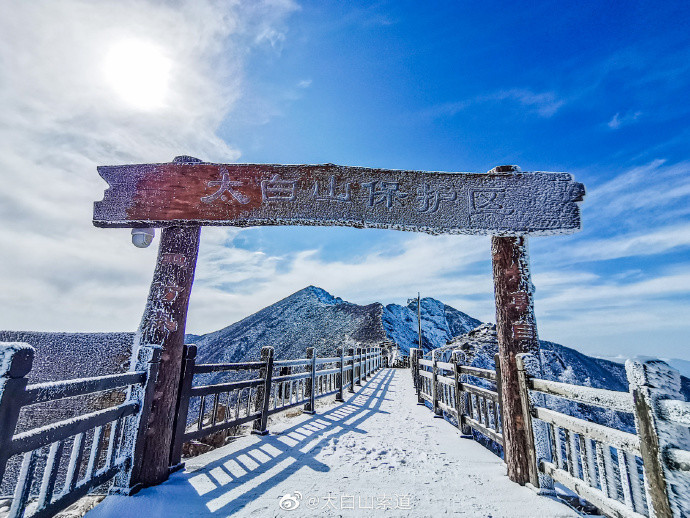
312 317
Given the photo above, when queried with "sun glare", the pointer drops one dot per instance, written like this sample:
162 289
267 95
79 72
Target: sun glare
139 71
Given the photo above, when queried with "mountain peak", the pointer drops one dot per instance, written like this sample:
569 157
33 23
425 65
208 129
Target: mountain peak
321 295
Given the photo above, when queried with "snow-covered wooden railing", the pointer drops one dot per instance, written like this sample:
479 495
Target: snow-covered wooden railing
447 388
45 448
276 386
623 474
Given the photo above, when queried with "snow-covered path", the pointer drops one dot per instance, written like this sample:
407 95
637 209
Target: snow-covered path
377 454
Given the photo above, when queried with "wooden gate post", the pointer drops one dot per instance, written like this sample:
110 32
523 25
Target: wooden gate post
163 324
517 333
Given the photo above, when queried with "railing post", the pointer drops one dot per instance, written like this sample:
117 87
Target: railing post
183 404
310 385
263 393
351 387
340 377
358 365
656 391
537 433
460 399
499 389
16 359
364 359
137 428
434 386
417 376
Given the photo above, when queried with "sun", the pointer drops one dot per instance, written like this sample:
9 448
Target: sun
139 72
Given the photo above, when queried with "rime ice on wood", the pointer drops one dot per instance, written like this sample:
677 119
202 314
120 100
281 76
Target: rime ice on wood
501 202
661 418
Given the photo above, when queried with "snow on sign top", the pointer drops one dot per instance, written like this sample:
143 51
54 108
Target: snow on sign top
503 201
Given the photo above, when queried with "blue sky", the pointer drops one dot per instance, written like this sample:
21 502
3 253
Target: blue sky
596 90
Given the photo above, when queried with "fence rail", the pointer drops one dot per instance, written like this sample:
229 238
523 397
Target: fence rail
625 475
93 444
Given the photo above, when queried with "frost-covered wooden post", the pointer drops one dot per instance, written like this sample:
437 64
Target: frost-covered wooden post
537 432
310 383
163 324
516 328
434 385
16 359
357 367
416 355
136 429
363 363
263 393
351 386
183 403
662 418
460 396
340 377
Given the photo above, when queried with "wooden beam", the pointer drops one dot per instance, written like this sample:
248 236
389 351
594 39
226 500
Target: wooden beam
517 333
501 202
163 324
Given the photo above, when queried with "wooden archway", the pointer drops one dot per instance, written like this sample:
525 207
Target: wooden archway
186 194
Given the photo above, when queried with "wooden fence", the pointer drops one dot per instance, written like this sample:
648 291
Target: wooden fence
97 437
90 450
625 475
274 387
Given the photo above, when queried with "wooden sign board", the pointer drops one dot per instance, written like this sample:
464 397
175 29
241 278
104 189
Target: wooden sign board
497 203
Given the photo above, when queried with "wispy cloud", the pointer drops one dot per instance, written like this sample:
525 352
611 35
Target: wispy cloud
619 120
542 104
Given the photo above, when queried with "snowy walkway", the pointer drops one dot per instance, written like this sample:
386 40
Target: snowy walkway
378 449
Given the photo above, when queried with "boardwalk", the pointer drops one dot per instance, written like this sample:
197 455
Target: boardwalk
376 450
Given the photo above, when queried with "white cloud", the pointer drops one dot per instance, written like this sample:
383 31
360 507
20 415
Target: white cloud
62 118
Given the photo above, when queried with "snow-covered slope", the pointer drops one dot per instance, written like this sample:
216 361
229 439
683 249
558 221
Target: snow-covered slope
440 323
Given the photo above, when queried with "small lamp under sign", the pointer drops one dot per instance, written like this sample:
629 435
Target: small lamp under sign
142 237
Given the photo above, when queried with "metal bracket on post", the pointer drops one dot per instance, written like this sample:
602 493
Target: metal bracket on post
310 385
263 394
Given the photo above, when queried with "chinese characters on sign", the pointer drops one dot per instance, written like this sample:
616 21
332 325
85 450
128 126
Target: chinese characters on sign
498 202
